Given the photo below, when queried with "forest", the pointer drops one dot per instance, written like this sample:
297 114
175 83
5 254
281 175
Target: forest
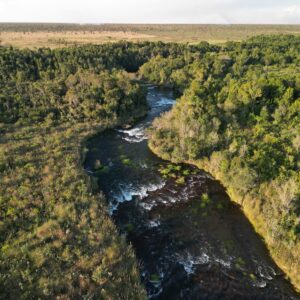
237 117
56 237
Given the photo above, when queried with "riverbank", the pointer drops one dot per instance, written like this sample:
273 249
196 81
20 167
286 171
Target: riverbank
61 242
190 238
286 258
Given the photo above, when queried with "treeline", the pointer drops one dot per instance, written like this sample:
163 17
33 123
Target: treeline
54 27
81 96
239 118
78 83
45 63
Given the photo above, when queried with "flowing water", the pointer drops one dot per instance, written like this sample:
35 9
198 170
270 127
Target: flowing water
191 240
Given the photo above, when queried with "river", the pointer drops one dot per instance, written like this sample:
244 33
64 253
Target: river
191 240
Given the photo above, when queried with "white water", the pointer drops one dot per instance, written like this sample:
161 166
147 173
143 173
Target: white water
127 192
164 101
134 135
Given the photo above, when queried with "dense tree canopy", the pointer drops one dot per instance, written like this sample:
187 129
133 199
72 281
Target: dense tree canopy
74 83
239 117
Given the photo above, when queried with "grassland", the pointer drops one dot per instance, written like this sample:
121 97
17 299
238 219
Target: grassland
45 181
61 35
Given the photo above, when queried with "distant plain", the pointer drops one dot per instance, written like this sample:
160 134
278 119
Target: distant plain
55 35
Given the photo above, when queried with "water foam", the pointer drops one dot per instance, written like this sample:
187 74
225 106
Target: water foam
164 102
154 223
134 135
189 262
127 192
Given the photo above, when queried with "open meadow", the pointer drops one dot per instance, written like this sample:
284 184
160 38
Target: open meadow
61 35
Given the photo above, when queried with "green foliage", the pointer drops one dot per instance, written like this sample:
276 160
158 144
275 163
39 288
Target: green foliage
238 117
175 172
82 96
76 83
238 114
56 238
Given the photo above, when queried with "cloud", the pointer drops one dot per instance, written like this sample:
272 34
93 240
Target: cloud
293 11
292 14
151 11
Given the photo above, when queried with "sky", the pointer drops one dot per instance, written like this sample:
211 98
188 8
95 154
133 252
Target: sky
152 11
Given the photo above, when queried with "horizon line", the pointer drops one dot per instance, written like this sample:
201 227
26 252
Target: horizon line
125 23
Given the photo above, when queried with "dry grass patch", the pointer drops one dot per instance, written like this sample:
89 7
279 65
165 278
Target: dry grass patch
62 39
62 35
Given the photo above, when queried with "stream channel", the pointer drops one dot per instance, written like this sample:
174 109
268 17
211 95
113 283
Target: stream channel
191 240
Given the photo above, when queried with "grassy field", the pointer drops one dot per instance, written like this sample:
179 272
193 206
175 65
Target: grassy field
62 35
45 183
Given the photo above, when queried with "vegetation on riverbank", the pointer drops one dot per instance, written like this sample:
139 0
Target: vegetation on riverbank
56 237
238 118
